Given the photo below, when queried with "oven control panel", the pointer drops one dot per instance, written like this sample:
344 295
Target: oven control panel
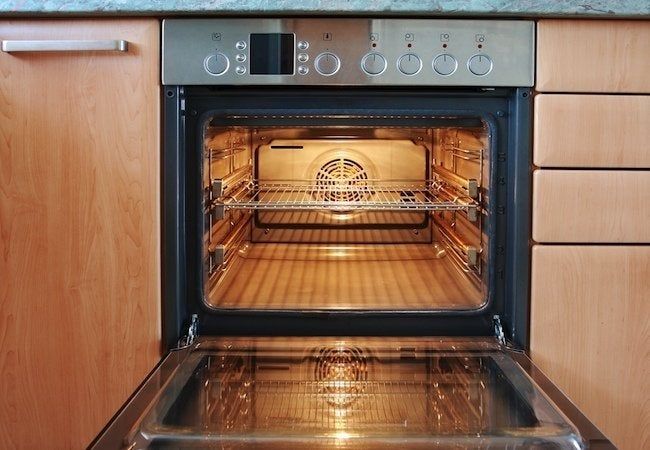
353 52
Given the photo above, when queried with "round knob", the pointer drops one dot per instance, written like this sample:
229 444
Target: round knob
216 64
409 64
327 64
479 65
445 64
373 64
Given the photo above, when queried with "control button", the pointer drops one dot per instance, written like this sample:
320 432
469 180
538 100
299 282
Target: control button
373 64
240 45
240 70
303 70
480 65
409 64
303 45
216 64
445 64
327 64
303 57
241 57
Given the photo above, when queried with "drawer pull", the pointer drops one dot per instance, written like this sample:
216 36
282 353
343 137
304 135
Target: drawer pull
65 46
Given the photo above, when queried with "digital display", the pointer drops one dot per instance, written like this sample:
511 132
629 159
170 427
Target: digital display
271 53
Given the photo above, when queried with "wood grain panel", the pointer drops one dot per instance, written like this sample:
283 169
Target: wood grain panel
590 328
592 131
79 230
608 206
593 56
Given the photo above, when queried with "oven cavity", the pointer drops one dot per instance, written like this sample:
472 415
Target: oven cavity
345 218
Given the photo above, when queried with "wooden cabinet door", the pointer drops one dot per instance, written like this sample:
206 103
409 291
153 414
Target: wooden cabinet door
590 329
591 206
593 56
79 229
592 131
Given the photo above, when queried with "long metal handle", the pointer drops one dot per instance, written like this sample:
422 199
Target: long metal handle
65 46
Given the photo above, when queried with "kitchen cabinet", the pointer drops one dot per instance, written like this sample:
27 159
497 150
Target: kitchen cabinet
593 56
590 332
592 206
79 228
592 131
589 308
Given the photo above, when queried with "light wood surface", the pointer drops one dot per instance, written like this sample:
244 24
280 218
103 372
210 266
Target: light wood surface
599 206
590 329
593 56
382 276
79 230
592 131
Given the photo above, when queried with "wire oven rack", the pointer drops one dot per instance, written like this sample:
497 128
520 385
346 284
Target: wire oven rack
375 195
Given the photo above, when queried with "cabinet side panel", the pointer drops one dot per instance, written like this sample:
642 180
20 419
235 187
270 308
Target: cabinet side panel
79 229
590 328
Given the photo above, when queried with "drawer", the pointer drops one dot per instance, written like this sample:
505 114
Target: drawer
590 333
593 56
608 206
592 131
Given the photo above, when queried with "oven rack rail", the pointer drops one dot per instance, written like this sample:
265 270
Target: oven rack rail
353 195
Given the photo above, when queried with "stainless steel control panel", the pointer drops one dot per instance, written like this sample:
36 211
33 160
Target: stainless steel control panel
354 52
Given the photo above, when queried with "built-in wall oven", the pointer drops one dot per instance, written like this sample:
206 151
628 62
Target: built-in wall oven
346 225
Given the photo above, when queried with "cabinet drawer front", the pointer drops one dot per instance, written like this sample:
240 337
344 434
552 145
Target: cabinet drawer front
590 332
606 206
593 56
592 131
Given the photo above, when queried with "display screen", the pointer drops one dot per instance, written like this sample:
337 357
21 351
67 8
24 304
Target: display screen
271 53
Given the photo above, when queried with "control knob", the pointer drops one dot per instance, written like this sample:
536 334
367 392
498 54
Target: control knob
216 64
373 63
409 64
327 64
445 64
480 64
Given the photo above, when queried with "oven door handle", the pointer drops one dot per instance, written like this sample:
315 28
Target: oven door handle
117 45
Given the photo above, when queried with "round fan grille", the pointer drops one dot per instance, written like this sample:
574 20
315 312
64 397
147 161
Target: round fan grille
342 180
341 372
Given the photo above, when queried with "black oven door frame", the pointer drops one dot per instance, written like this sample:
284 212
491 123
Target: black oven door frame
506 111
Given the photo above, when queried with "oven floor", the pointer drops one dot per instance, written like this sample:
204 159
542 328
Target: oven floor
379 277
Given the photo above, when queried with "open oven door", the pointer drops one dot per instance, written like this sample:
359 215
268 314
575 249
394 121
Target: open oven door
353 393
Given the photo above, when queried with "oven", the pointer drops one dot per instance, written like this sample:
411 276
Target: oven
346 209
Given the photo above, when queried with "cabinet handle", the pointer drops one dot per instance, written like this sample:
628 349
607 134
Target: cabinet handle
65 46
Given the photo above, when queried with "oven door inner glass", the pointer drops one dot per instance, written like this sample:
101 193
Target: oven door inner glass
351 393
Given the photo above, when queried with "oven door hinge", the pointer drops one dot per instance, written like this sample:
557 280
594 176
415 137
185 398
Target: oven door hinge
498 330
192 333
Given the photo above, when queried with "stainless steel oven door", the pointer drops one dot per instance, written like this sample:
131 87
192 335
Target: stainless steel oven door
353 393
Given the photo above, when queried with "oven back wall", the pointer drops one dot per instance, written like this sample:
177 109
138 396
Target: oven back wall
79 229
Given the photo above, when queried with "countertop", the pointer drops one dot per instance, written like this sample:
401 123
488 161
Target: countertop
503 8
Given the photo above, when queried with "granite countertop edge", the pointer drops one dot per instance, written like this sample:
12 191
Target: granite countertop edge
420 8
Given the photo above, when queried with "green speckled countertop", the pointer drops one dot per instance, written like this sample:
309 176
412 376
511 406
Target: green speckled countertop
523 8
